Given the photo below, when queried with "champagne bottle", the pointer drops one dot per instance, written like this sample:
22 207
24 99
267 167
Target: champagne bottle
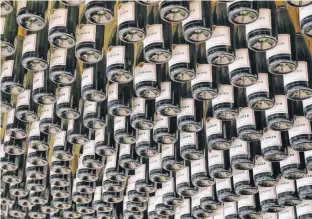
72 212
62 203
164 130
35 172
31 15
273 145
242 12
142 182
171 157
100 12
90 159
307 108
62 25
287 193
156 173
35 185
170 196
247 207
199 172
59 166
79 197
77 133
14 146
18 211
25 202
5 102
288 212
242 154
35 51
197 211
265 174
293 167
9 162
243 71
16 176
174 11
86 174
141 117
131 21
130 214
184 186
147 2
157 43
243 182
261 35
225 190
219 213
49 123
304 186
127 157
19 190
160 208
138 207
89 43
104 139
84 187
197 27
112 169
268 200
230 210
151 208
72 2
8 27
6 7
48 208
123 132
14 127
219 164
192 146
221 46
37 158
297 3
218 134
97 203
305 20
6 198
43 89
132 194
85 208
119 98
94 114
308 156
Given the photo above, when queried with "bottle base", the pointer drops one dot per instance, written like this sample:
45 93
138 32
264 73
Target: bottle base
299 93
5 107
10 179
182 75
34 64
131 34
50 129
119 110
271 208
99 15
129 164
12 88
187 191
242 164
68 113
250 135
13 150
246 190
146 151
280 67
228 197
38 145
77 139
27 116
44 98
62 40
302 145
94 123
191 154
17 213
203 181
219 144
148 92
30 22
62 77
189 126
225 114
307 29
279 124
164 210
125 139
261 43
243 16
289 201
142 124
165 138
94 96
197 34
293 174
7 49
89 55
168 110
49 209
210 205
221 58
174 13
119 76
6 8
157 56
16 133
243 80
104 150
172 165
274 155
204 93
19 192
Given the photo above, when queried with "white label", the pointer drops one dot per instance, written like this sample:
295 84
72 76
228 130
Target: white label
269 216
282 46
215 157
203 74
167 150
46 112
155 163
126 12
161 121
180 54
292 158
124 149
29 43
263 21
183 209
112 92
300 74
240 176
287 213
21 4
34 129
223 184
142 136
285 185
119 123
301 126
2 25
187 138
115 55
238 147
140 172
58 57
305 11
2 153
154 34
168 186
262 85
304 208
145 72
11 115
241 60
85 33
266 193
280 106
182 176
99 135
98 193
246 200
138 105
63 94
111 161
220 36
307 102
305 181
87 77
151 204
7 68
218 214
198 166
58 18
59 139
89 148
262 166
245 117
165 91
38 80
202 192
131 183
195 12
89 107
229 208
23 98
7 138
213 126
187 107
225 95
271 138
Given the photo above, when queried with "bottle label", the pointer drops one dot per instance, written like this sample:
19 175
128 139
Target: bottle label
263 22
225 95
23 98
167 150
165 91
185 208
266 193
89 148
154 34
2 25
240 176
7 138
140 172
126 12
271 138
112 92
38 80
203 74
151 204
223 184
182 176
111 161
246 200
46 112
187 138
85 33
29 43
58 57
229 208
180 54
138 105
58 18
241 60
262 85
98 193
300 74
168 186
304 208
187 107
7 68
292 158
305 181
155 163
34 129
115 55
287 213
87 77
198 166
145 72
218 214
215 157
161 121
282 46
142 136
63 94
307 102
119 123
89 107
305 12
262 166
301 126
221 36
99 135
124 149
213 126
21 4
238 147
280 106
59 139
285 185
11 115
245 117
202 192
195 12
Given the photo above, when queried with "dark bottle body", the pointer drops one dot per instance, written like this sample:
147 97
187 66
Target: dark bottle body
8 27
164 130
171 157
119 98
225 190
141 117
272 145
293 167
43 89
242 154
